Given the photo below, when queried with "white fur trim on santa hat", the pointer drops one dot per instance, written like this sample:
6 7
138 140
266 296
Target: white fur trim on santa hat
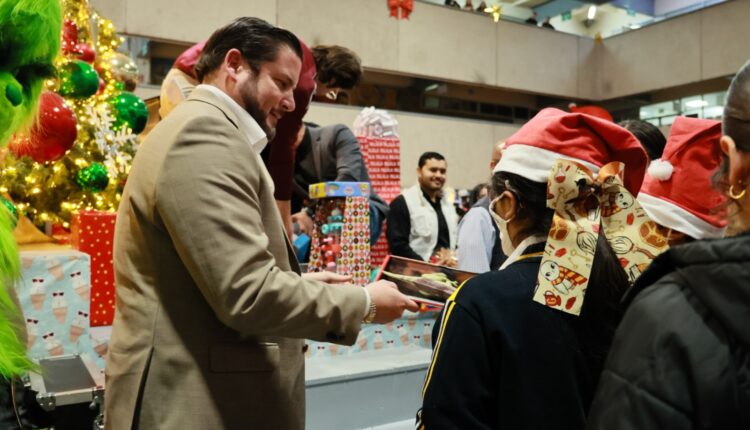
533 163
672 216
661 170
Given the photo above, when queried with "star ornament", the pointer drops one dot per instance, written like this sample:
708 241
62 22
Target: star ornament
494 10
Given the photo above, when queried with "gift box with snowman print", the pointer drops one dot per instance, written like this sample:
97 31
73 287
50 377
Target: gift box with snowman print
54 291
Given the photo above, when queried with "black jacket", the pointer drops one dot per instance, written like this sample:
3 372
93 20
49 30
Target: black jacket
681 356
330 153
502 360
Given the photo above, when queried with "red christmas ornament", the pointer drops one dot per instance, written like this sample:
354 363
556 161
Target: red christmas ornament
69 44
87 53
52 136
102 85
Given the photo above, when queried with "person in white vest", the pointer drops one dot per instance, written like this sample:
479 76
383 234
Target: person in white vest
422 221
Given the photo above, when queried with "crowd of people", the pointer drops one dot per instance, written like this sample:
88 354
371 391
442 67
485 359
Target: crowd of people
606 295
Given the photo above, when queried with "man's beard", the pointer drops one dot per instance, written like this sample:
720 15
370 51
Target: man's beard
253 108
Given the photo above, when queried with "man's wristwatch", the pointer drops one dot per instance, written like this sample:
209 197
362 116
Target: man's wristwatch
370 317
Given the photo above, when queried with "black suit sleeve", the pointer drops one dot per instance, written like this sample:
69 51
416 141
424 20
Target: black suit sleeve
398 228
456 394
349 163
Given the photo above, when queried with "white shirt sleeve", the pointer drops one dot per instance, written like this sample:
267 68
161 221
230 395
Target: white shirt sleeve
476 238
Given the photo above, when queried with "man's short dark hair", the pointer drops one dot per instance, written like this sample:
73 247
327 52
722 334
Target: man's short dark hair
651 138
256 39
338 67
429 156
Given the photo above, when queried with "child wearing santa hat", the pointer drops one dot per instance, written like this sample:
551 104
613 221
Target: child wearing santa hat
517 347
678 192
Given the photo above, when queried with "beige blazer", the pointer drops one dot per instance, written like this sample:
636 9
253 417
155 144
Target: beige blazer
210 307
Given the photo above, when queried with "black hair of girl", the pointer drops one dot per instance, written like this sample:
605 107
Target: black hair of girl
649 135
602 309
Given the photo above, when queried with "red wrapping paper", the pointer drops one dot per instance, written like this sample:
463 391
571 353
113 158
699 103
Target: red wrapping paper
93 232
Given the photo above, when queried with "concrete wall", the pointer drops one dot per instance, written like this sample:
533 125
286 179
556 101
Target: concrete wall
466 144
436 42
452 45
691 48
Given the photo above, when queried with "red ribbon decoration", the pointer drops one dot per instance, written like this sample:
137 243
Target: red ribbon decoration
405 6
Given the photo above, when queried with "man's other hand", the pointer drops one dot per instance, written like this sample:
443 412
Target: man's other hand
303 220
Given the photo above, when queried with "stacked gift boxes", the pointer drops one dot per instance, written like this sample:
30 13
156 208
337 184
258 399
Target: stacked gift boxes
54 292
412 329
382 156
341 229
93 232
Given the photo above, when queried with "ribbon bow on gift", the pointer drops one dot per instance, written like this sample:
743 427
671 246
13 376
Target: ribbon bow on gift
406 7
583 205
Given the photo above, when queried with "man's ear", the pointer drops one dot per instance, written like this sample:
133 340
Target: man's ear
233 61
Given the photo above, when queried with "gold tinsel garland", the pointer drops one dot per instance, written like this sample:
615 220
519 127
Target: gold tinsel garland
48 192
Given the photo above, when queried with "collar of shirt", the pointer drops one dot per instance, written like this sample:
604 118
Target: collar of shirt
438 199
247 124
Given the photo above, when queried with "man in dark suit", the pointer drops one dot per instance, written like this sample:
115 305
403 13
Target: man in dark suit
330 153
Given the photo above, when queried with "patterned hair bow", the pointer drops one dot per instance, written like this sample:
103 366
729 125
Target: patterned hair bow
583 205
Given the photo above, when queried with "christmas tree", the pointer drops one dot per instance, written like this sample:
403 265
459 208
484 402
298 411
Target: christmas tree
78 155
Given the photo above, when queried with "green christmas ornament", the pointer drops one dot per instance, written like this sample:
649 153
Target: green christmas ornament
93 178
129 111
78 79
11 209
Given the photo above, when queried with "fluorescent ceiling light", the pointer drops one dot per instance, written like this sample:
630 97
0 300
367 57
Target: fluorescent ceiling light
592 12
694 104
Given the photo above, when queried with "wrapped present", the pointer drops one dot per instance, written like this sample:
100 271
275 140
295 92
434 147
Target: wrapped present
93 232
382 156
341 237
54 292
339 189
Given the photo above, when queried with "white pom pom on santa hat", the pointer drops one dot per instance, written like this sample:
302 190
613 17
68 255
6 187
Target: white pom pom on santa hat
660 170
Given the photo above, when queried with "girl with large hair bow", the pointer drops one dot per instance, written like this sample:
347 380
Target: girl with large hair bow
520 347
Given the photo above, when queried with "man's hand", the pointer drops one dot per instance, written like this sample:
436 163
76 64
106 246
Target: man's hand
389 302
327 277
303 220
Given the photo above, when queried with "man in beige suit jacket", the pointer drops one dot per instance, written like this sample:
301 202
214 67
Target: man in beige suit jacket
211 309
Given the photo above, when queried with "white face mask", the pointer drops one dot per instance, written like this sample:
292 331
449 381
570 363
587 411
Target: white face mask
502 225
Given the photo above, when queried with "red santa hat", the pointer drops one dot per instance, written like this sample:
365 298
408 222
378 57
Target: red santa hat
678 192
553 134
